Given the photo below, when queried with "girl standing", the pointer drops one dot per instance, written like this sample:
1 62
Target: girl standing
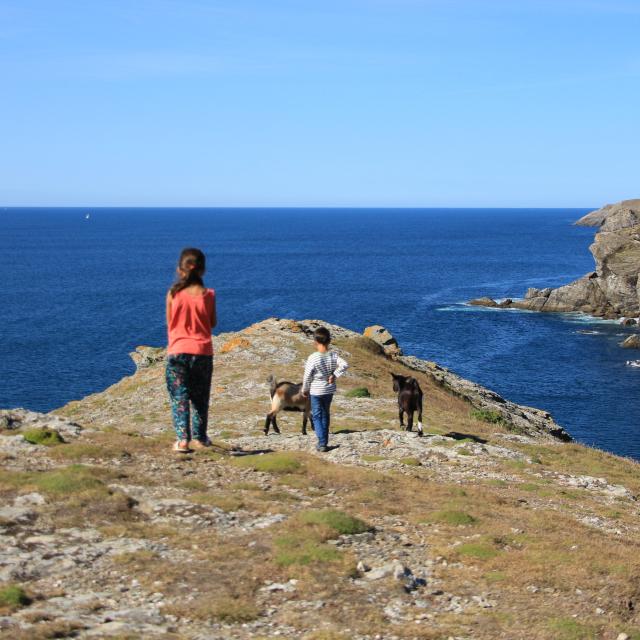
191 315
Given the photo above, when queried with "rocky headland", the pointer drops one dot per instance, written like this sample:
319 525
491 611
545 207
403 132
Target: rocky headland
612 290
492 525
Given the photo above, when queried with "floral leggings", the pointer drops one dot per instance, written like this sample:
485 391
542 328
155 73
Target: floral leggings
189 385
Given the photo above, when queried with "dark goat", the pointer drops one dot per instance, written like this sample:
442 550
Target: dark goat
409 400
286 396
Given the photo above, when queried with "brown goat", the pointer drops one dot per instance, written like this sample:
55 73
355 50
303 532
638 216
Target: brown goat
287 396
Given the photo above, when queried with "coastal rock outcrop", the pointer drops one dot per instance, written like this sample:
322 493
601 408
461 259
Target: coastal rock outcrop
384 338
613 289
632 342
144 357
613 216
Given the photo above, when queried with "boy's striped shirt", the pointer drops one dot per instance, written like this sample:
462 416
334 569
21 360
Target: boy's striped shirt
318 368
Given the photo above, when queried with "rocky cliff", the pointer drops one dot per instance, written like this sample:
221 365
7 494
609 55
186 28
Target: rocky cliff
613 289
489 526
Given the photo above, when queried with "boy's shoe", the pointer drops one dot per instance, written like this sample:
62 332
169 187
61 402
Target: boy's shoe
200 444
181 446
323 449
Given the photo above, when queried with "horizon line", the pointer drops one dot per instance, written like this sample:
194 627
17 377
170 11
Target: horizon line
277 207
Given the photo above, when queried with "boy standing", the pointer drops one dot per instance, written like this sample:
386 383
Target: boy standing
320 373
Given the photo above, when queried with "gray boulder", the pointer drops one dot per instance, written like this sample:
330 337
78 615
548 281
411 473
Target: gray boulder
484 302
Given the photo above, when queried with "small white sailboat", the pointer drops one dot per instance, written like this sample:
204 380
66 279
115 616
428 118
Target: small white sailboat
87 216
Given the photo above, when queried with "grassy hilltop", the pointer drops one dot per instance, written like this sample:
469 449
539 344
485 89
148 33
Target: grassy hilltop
485 528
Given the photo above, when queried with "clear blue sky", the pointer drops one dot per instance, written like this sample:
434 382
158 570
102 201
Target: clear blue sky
323 102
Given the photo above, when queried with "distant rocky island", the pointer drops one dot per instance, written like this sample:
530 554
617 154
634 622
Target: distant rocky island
612 290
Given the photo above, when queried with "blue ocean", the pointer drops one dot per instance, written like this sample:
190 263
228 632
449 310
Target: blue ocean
79 293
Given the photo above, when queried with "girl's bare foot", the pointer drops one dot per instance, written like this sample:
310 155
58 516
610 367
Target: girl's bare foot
201 444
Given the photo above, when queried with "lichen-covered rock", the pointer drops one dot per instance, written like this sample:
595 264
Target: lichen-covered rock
235 343
144 357
383 337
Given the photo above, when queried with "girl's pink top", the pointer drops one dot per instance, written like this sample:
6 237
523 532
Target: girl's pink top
190 323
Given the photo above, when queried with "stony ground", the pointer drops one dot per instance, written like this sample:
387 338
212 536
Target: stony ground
481 529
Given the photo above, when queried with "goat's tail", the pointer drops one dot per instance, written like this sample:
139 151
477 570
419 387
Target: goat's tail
272 385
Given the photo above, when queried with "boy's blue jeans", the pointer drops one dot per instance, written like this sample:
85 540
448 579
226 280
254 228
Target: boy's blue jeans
320 407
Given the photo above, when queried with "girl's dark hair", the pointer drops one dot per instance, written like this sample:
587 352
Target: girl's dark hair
192 263
322 336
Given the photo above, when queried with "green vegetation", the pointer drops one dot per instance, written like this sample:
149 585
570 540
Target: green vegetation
325 635
452 517
373 458
225 435
341 523
477 550
78 450
139 558
234 610
298 549
194 485
495 576
271 462
13 597
303 541
410 462
571 629
73 479
485 415
43 435
358 392
225 501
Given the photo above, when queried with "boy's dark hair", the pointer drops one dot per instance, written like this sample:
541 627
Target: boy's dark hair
322 336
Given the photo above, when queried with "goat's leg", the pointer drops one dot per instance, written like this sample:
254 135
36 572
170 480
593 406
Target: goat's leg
305 417
401 416
267 424
410 420
275 424
420 432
